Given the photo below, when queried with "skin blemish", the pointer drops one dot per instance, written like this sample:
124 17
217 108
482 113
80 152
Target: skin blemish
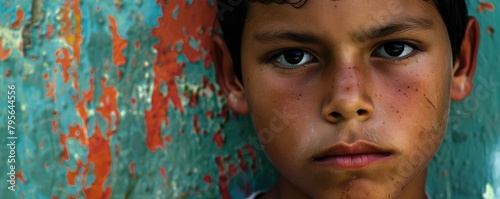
430 103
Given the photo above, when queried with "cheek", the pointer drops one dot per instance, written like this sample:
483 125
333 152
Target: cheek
419 96
417 107
280 108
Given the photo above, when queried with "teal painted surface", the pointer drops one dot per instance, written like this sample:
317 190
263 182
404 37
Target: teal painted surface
469 158
90 123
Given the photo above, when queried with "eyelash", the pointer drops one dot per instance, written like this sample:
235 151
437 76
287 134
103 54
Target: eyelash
273 56
416 50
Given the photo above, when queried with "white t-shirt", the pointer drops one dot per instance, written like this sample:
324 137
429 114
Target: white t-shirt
256 194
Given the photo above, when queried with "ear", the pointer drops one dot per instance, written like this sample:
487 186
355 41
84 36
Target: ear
464 68
226 77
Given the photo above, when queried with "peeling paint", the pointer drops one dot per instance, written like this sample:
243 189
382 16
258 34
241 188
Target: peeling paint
119 99
4 53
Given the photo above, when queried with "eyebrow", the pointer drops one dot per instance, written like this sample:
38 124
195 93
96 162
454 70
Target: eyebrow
400 26
405 25
274 36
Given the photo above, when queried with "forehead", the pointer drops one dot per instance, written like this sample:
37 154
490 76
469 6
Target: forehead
348 14
300 3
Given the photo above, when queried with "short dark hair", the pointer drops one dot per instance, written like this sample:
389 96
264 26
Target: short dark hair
232 15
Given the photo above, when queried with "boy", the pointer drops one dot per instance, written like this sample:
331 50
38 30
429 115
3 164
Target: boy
365 87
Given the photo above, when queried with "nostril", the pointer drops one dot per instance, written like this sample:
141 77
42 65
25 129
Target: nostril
361 112
336 115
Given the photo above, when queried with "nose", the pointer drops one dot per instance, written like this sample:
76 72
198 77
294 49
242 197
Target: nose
348 98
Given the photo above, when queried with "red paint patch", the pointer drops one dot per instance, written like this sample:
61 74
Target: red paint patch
218 139
134 62
207 179
71 32
19 19
50 31
87 97
166 67
45 76
168 139
207 84
7 73
99 151
119 44
20 176
117 151
210 114
100 156
71 175
109 106
46 165
195 124
55 128
223 114
485 6
163 172
490 30
132 170
241 156
75 132
4 53
63 58
233 170
193 100
51 89
137 45
223 179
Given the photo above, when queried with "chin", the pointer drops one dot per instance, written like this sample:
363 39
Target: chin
354 186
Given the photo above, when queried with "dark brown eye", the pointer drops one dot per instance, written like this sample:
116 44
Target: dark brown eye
394 50
292 58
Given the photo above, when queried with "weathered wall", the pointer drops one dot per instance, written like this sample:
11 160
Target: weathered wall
118 99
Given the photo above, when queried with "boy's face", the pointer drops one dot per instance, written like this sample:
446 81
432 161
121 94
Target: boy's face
349 98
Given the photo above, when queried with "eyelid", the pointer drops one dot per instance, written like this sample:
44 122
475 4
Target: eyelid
416 49
270 58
